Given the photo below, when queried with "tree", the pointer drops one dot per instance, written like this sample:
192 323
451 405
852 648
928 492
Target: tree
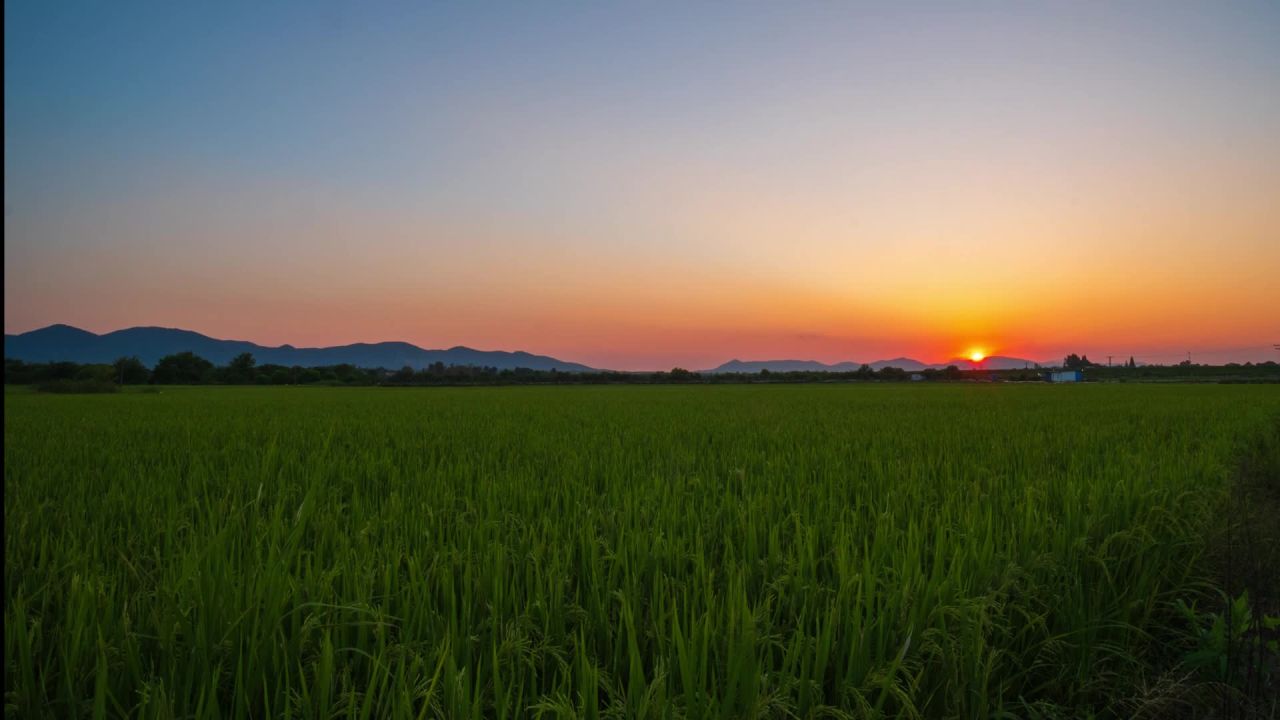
96 373
892 373
1076 362
679 374
184 368
131 371
1132 364
62 370
241 368
17 372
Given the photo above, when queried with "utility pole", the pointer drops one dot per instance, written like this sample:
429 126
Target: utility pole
1108 361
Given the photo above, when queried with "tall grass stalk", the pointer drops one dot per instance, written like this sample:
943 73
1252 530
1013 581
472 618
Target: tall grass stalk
701 552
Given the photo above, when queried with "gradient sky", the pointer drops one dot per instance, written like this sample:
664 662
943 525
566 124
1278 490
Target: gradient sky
655 184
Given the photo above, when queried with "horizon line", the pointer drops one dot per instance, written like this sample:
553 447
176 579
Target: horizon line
1148 358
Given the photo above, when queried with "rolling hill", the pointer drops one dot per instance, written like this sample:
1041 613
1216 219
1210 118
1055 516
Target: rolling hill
996 362
149 344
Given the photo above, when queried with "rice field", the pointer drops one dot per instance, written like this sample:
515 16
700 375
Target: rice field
653 552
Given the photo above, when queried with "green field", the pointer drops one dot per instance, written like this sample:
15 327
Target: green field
740 551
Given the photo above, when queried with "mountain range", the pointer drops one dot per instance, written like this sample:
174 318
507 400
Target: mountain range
995 362
149 344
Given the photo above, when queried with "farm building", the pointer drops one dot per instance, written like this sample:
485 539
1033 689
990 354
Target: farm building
1067 376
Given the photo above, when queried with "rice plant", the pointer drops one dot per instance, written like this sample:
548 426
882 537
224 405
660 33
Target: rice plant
655 552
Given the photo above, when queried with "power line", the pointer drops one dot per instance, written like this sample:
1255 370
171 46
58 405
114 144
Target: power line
1201 355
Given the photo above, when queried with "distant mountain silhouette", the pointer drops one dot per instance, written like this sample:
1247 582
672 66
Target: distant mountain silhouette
903 363
755 366
149 344
995 362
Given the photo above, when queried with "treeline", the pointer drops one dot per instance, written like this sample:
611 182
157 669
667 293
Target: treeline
190 369
183 369
1186 372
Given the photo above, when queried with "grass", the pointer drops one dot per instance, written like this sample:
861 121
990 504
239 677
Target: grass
727 552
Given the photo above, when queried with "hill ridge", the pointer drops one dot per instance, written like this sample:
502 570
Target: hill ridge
149 343
994 362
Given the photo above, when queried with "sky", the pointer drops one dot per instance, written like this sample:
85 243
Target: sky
650 185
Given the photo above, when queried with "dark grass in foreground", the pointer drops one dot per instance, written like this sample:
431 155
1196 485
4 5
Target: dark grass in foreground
861 551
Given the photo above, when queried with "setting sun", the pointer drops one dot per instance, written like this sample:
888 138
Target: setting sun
977 356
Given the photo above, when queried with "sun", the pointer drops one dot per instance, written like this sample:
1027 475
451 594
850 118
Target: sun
977 356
